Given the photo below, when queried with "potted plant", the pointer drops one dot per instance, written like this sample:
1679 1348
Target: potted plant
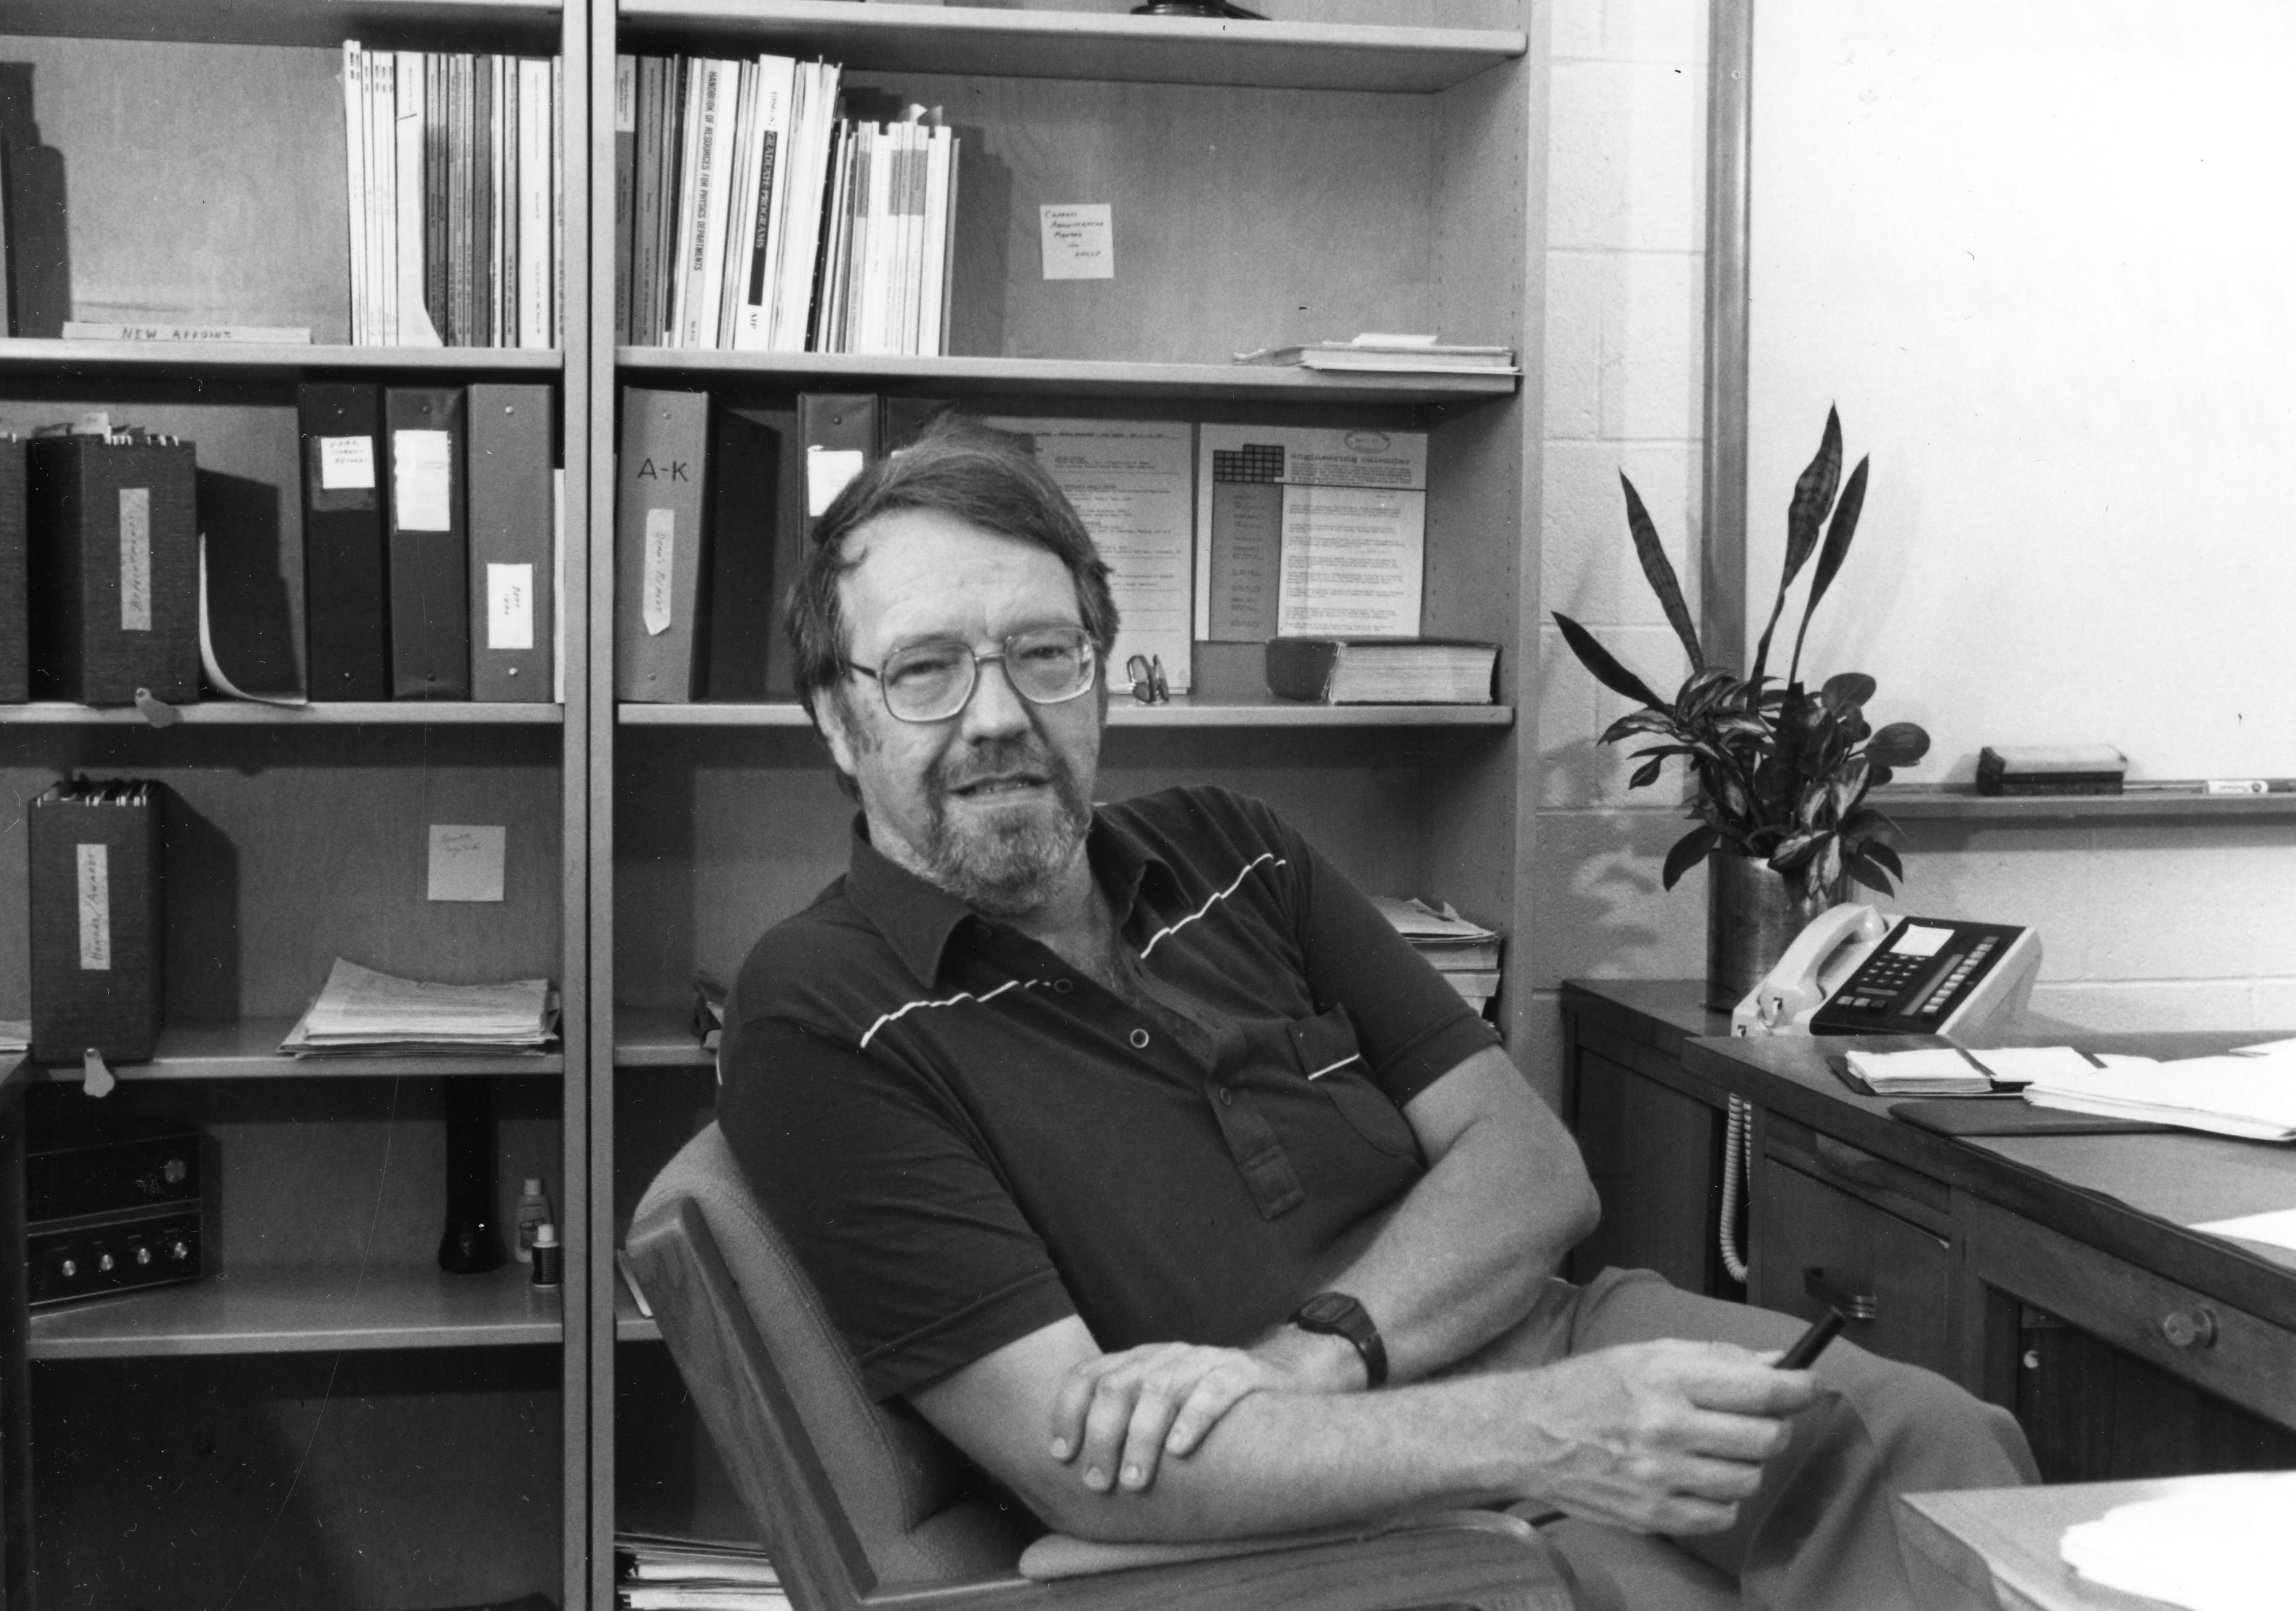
1780 773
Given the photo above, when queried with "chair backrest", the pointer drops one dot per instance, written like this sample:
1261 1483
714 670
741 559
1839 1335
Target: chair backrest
850 1496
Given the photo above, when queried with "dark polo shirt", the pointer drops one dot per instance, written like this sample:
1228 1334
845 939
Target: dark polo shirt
965 1139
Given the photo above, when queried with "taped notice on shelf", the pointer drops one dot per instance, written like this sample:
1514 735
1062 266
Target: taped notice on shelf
346 464
95 907
660 552
510 606
422 469
827 470
135 559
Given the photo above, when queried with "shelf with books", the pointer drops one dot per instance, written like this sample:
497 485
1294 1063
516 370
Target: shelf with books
530 24
248 1049
248 713
300 1307
1058 377
1183 712
1092 45
49 355
1962 803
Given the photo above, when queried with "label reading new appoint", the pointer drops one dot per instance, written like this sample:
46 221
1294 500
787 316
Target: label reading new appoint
510 606
95 907
661 556
134 559
421 470
346 464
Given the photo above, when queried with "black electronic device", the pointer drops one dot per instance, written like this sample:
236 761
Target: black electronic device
1920 978
114 1203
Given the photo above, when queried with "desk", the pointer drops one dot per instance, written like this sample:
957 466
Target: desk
2006 1539
2051 1274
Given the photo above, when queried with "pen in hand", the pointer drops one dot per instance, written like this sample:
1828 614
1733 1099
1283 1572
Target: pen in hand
1812 1343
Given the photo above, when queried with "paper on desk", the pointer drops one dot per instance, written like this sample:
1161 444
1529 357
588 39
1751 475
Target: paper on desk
2223 1547
2022 1064
2253 1098
2277 1228
1925 1071
2269 1049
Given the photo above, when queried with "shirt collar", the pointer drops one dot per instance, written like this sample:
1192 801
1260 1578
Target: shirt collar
918 918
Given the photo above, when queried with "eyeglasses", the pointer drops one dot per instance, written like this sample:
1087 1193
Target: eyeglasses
1147 674
933 681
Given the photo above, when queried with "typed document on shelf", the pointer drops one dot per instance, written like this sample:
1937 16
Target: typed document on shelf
1310 533
1128 480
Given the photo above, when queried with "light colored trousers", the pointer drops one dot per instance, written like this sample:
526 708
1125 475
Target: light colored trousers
1820 1535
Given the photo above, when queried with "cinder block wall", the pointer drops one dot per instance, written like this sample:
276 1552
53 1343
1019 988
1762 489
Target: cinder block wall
2176 923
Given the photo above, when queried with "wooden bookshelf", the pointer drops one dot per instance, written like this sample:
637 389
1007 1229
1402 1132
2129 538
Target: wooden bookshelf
247 713
248 1049
1182 711
48 355
531 25
290 1309
649 1037
1933 803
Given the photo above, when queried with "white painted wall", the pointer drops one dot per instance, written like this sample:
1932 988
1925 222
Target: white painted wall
2163 925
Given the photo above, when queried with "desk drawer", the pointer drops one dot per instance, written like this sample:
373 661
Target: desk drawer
2215 1347
1800 1224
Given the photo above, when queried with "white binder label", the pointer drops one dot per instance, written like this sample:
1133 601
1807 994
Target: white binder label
134 559
660 550
510 606
346 464
422 468
95 907
827 471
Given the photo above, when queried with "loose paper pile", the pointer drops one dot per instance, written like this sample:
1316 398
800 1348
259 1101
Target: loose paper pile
366 1012
656 1573
2249 1093
2219 1546
1466 954
1928 1071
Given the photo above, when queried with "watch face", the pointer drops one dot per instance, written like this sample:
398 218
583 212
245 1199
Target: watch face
1326 1309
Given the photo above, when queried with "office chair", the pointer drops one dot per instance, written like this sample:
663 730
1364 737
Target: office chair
866 1509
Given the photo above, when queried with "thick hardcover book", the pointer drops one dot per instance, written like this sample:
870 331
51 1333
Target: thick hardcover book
15 617
430 543
346 627
97 937
115 568
512 600
1384 671
757 464
658 537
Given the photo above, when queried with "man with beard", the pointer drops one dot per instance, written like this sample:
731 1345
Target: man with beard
1133 1148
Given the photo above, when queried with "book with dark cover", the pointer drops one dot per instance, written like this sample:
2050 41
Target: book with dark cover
658 544
839 433
114 577
346 626
15 617
513 602
96 930
430 543
1372 671
757 480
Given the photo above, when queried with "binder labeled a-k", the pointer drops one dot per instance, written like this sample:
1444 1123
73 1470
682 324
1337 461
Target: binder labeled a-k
346 590
512 518
96 929
657 536
429 543
114 571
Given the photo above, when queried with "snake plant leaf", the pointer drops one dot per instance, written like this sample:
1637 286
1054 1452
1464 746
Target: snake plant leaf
1660 573
1813 495
1848 690
1837 533
1688 851
1607 670
1901 743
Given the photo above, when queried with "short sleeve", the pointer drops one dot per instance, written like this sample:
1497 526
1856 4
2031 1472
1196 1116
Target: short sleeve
922 1259
1412 1026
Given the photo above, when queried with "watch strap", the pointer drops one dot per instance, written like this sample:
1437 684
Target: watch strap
1337 1314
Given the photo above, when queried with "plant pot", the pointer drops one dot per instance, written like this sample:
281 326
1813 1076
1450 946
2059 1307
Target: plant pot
1751 919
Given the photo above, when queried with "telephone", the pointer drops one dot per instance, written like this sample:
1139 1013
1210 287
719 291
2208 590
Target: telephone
1854 972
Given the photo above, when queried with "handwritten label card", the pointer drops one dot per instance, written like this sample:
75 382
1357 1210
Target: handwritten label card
95 868
510 606
347 463
467 862
660 564
135 559
1079 240
422 485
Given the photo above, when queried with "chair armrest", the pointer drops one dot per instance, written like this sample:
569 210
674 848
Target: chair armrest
1059 1555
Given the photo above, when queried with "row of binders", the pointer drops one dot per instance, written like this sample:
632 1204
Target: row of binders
751 215
456 198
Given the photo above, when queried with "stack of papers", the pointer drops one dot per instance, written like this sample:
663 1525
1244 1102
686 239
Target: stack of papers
1934 1070
653 1571
366 1012
1391 354
2249 1093
1466 954
2218 1545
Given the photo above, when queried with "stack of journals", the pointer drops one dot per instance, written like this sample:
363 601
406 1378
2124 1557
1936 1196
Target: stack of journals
750 215
457 202
1466 954
655 1572
362 1011
1388 355
2249 1093
1930 1071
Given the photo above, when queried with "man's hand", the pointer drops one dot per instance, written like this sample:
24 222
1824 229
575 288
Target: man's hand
1662 1437
1118 1415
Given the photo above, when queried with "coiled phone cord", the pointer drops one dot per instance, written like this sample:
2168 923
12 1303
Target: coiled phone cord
1737 1158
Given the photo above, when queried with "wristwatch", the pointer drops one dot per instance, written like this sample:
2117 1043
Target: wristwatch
1336 1314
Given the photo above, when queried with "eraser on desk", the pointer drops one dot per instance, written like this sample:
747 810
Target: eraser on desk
2095 769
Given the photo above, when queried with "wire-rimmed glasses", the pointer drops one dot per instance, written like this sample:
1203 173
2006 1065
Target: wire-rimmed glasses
933 681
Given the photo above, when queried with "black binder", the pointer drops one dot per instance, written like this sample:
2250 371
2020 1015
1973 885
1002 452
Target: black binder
96 929
115 568
346 623
430 543
16 614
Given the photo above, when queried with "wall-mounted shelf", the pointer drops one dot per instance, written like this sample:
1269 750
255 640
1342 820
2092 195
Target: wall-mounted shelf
291 1309
1181 712
1911 801
244 714
1072 44
532 25
248 1049
648 1037
171 358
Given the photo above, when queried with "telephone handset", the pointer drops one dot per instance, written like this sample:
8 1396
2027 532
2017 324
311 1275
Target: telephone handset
1854 972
